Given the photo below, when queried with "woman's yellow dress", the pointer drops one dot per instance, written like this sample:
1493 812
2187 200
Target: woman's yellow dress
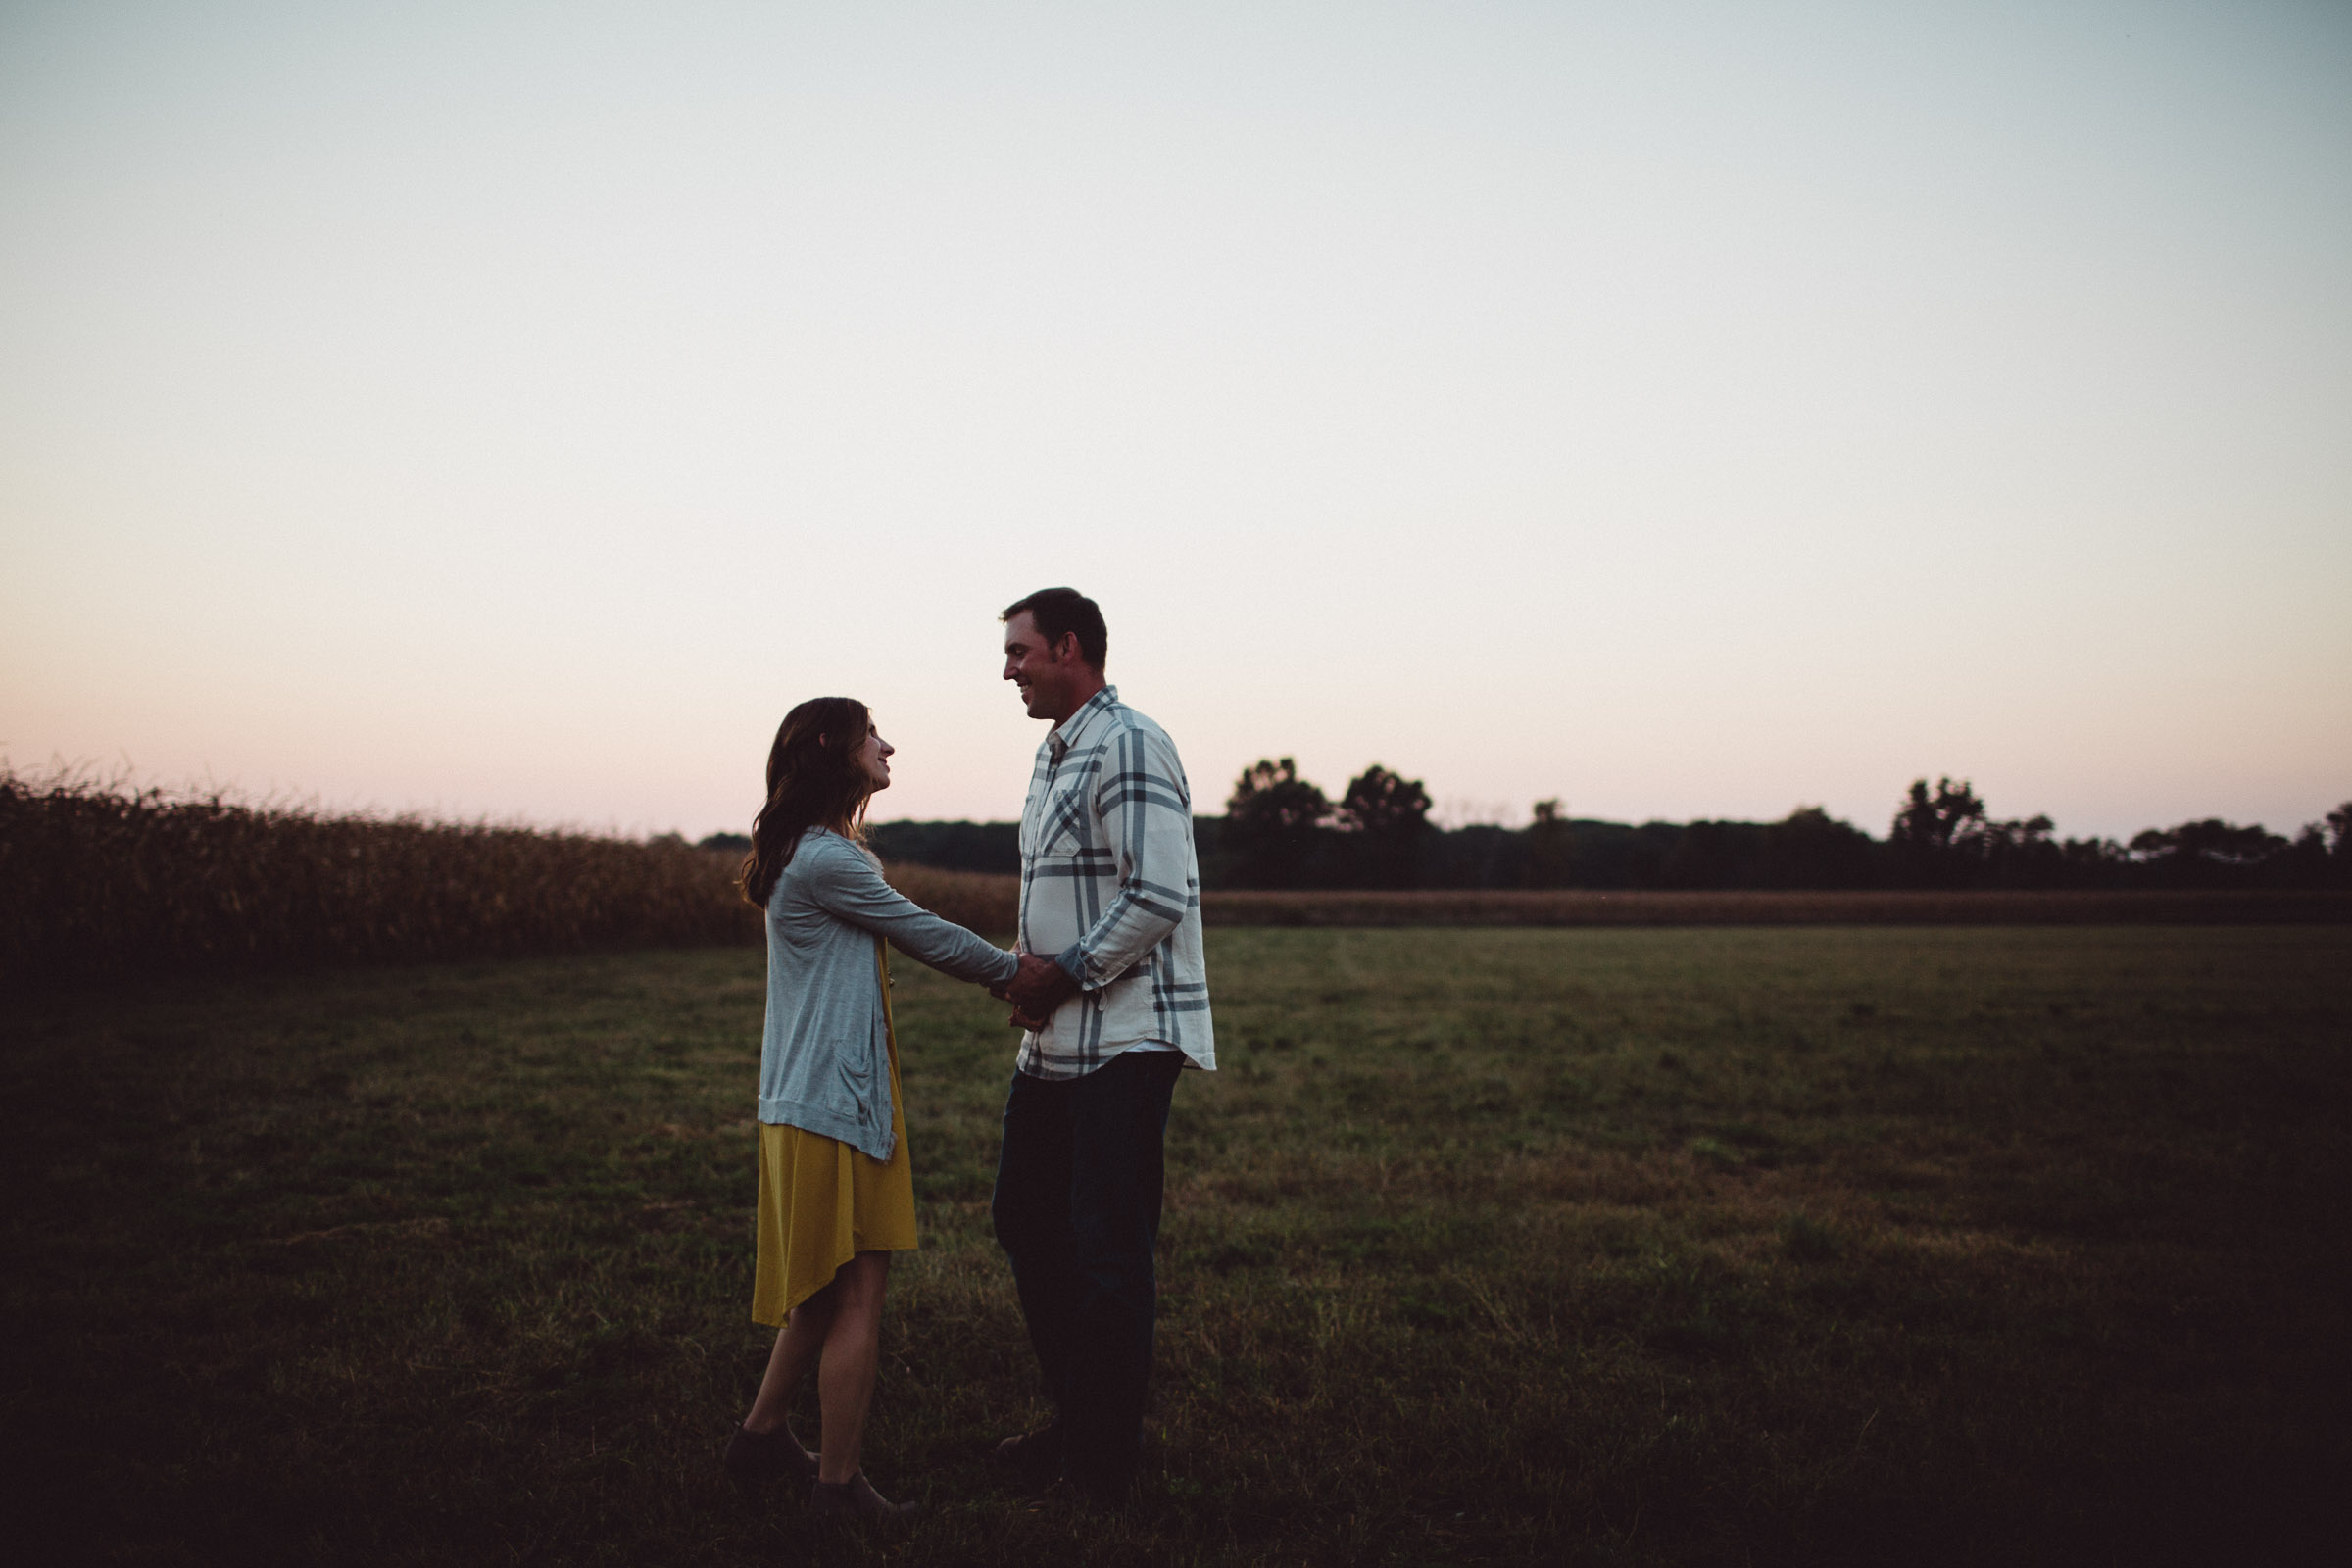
821 1202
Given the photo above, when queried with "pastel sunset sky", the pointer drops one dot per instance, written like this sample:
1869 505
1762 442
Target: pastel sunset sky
1684 410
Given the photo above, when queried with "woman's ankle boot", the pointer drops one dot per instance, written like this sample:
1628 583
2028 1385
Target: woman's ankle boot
754 1457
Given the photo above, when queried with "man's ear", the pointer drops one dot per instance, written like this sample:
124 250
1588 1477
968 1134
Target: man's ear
1068 650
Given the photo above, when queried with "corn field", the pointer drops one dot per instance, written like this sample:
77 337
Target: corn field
988 904
100 880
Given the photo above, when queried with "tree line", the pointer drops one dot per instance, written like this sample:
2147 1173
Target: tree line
1283 831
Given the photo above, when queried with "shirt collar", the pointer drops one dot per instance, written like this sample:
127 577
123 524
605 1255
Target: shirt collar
1066 733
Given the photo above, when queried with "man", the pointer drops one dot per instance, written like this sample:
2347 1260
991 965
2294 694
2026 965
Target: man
1113 993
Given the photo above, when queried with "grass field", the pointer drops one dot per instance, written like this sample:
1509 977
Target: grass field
1699 1245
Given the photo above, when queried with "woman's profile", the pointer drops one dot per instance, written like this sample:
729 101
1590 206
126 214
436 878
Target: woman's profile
836 1180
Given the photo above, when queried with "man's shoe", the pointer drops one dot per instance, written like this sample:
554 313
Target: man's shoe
1033 1458
754 1457
855 1500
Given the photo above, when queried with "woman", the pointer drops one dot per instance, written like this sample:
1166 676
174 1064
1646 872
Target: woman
836 1183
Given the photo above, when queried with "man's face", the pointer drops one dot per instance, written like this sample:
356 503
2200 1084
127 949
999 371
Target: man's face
1044 677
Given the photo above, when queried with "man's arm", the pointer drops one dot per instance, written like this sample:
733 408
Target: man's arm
1146 812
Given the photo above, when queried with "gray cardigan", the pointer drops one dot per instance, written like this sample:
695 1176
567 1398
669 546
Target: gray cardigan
824 1063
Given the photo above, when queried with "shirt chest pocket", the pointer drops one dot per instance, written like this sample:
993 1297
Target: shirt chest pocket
1063 829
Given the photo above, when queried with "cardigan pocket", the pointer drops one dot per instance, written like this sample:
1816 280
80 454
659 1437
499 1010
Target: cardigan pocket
852 1089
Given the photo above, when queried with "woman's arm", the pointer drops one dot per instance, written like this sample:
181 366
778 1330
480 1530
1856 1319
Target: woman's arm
846 885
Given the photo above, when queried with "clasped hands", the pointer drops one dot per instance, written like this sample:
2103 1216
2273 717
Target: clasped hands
1041 986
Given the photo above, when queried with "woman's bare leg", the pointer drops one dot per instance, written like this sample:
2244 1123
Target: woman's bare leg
796 1349
853 1349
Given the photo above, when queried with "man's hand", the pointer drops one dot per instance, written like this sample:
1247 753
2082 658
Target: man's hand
1003 993
1040 987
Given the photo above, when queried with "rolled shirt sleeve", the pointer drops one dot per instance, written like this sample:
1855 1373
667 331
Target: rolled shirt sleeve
1146 815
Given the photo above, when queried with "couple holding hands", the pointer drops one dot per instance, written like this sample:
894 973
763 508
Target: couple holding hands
1108 985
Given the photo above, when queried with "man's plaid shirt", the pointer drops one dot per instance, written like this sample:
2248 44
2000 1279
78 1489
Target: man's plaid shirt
1110 888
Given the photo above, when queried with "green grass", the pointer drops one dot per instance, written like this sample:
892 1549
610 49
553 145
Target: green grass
1615 1246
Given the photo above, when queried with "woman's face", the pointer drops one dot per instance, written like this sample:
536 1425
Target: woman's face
874 758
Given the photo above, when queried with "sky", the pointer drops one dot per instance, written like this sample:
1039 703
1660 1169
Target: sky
1677 410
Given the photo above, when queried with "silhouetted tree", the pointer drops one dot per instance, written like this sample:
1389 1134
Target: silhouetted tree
1948 839
1271 822
990 847
1924 840
1281 831
1551 847
2305 862
2207 854
2322 856
1477 855
1391 813
1708 855
1811 848
1936 821
2011 854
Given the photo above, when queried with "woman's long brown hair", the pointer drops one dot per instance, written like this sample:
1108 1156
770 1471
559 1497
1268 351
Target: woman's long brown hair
813 780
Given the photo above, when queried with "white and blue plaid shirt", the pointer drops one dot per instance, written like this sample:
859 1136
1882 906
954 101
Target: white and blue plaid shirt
1110 888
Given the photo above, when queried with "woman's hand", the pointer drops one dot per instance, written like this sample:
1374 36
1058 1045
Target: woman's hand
1040 986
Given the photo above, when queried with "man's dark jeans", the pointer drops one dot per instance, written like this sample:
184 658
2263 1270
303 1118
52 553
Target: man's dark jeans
1077 1211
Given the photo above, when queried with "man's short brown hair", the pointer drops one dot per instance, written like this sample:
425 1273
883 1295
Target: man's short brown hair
1059 611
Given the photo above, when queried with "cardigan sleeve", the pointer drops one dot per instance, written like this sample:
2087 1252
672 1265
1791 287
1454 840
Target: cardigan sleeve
845 883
